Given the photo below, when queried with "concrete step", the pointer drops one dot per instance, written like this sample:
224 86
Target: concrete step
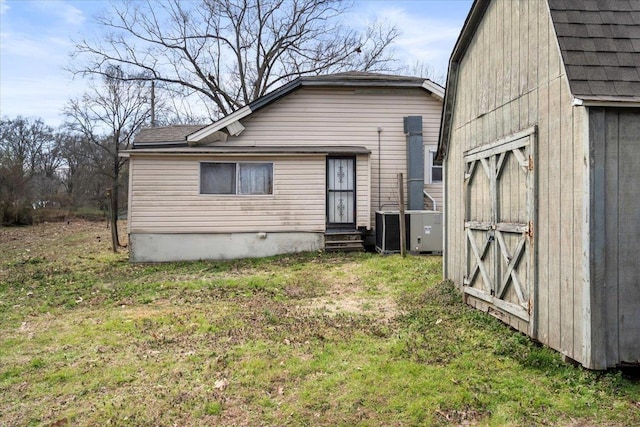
343 241
345 248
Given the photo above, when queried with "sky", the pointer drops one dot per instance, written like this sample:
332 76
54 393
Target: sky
37 38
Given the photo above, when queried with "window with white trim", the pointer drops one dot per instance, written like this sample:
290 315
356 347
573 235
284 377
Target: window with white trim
236 178
433 172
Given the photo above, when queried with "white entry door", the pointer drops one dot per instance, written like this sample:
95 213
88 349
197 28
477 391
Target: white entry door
341 193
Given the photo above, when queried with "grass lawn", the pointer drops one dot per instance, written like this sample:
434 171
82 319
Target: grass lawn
314 339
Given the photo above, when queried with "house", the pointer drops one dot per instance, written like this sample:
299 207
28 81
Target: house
540 140
287 173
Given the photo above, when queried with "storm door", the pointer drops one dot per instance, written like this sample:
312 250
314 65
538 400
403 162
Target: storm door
341 192
499 221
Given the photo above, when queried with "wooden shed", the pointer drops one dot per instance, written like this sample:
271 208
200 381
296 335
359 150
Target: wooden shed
540 139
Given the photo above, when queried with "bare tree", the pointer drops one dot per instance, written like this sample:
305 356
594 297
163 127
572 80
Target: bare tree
28 161
230 52
426 70
84 173
109 116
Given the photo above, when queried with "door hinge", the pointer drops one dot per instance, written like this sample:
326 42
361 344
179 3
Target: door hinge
530 230
530 162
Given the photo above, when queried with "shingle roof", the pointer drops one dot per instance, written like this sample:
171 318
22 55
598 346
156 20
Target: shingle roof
176 134
600 45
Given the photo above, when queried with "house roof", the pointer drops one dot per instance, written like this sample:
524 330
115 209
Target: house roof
230 124
600 45
166 135
599 42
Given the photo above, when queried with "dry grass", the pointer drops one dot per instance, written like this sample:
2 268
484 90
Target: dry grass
313 339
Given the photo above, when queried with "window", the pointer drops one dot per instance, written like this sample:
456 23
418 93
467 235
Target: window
433 173
236 178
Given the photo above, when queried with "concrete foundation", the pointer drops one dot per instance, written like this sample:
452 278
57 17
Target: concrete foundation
151 247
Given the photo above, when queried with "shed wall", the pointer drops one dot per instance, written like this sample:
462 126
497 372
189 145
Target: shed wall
615 233
511 78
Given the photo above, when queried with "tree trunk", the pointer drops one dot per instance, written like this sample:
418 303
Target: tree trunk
114 217
115 242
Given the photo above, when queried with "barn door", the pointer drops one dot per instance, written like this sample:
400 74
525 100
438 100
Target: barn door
499 224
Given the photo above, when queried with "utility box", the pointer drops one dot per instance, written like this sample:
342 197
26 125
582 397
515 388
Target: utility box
423 231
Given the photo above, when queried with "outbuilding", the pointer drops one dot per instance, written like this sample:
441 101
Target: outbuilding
540 141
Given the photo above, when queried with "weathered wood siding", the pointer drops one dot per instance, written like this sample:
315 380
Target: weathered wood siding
615 236
335 116
165 197
511 78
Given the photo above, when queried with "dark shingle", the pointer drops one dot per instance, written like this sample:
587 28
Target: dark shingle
590 58
584 17
606 59
575 57
622 74
616 18
579 30
577 43
627 88
628 59
599 87
589 4
600 45
625 31
580 87
577 72
594 30
604 45
174 134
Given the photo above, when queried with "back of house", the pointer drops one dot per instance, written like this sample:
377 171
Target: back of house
315 158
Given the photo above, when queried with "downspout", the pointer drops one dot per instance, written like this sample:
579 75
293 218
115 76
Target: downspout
433 201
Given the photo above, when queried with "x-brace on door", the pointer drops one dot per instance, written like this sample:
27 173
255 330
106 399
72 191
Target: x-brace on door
499 224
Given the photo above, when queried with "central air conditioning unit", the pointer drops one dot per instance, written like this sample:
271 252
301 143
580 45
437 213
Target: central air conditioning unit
423 232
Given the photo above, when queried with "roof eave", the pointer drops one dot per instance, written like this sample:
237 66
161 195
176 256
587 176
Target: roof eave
248 151
610 102
435 89
219 125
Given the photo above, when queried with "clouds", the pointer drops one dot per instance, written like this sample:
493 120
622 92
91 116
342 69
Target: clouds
36 40
429 29
61 11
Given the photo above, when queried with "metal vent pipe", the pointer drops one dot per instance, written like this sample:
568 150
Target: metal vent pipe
415 162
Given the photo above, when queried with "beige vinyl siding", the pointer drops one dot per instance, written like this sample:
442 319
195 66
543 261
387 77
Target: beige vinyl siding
165 197
509 82
347 116
363 195
435 190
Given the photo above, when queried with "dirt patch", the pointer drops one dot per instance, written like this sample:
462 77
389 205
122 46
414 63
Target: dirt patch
347 294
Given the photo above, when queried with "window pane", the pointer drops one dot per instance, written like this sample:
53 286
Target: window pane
217 178
436 173
256 178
